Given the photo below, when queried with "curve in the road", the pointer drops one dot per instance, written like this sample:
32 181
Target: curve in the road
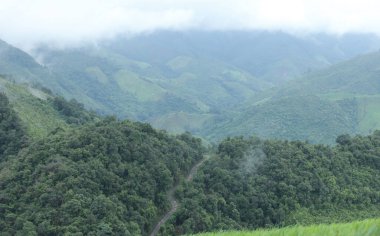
173 202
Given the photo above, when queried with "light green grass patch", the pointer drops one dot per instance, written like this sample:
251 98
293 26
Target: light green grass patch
336 96
179 122
97 73
119 60
368 109
366 228
179 63
36 114
369 114
141 88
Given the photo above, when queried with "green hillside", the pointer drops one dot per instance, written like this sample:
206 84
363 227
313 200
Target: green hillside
103 178
344 98
155 77
112 83
32 106
12 133
196 82
40 111
367 227
253 183
357 80
297 117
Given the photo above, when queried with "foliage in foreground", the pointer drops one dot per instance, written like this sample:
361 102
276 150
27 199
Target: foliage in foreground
255 184
107 178
111 178
366 227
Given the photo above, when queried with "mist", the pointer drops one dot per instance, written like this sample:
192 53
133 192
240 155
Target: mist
66 23
253 158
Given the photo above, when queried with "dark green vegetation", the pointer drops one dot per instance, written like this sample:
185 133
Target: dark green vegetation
181 81
344 98
102 178
252 183
72 111
12 133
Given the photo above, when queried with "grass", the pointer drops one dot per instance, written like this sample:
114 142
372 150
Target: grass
369 109
141 88
369 112
336 96
179 122
366 228
38 116
97 73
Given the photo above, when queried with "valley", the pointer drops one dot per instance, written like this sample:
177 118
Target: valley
195 82
180 133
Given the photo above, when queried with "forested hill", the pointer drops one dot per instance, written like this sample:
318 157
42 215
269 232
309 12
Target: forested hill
111 177
12 132
252 183
103 178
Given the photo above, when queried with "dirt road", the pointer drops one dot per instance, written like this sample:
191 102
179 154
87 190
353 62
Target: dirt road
173 202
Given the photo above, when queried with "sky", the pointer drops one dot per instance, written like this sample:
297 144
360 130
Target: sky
27 23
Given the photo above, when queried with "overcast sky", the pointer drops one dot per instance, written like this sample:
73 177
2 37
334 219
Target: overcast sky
25 23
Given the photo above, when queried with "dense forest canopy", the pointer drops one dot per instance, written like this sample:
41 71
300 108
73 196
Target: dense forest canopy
253 183
103 178
12 133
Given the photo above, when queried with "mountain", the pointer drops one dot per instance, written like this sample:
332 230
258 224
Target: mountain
19 66
192 81
181 80
184 86
269 56
344 98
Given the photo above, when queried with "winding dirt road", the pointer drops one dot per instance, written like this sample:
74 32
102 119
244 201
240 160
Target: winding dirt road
173 202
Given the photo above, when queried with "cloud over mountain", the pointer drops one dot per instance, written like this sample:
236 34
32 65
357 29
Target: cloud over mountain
26 23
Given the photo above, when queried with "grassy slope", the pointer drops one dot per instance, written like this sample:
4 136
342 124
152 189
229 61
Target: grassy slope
367 227
357 79
344 98
295 117
35 112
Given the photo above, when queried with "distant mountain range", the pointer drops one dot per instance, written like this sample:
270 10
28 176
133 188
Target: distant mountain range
210 83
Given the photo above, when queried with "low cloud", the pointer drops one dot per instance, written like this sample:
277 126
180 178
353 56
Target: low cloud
26 23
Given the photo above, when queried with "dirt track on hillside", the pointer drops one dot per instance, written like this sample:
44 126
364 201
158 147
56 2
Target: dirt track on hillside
173 202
